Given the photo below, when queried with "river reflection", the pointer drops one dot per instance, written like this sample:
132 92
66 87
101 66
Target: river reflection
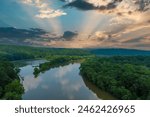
100 94
61 83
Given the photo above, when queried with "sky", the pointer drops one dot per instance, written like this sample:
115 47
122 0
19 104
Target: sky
93 23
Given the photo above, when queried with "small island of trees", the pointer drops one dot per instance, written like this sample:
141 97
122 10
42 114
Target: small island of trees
56 61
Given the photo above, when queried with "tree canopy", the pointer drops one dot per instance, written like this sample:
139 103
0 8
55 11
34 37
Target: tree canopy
123 77
10 86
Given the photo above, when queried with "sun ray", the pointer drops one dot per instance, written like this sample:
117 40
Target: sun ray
91 20
50 23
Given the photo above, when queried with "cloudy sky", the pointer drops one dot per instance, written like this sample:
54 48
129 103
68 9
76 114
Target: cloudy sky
87 23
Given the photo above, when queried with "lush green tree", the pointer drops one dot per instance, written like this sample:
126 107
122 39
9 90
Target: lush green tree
12 96
1 91
9 81
124 77
36 72
14 86
14 52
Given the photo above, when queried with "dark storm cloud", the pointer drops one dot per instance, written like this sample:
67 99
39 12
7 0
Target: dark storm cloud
83 5
63 0
80 4
68 35
11 32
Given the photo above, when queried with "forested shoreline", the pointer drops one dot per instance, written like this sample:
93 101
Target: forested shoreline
124 77
57 61
10 86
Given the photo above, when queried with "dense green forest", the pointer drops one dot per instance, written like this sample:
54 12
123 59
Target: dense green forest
118 52
10 86
124 77
14 52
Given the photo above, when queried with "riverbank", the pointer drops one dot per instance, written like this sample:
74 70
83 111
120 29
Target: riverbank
126 78
10 86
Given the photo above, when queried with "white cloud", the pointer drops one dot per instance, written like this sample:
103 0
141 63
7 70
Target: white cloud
122 6
27 1
63 71
126 22
31 83
50 14
99 2
45 12
125 12
69 1
128 5
101 35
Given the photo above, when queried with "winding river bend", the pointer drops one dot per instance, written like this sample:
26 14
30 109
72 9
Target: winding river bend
61 83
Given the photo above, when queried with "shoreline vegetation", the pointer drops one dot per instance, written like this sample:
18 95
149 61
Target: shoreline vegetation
57 61
10 86
125 77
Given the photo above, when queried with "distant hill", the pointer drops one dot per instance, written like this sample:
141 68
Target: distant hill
119 51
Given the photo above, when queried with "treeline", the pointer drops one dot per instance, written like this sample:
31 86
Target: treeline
56 61
118 52
136 60
124 77
10 87
14 52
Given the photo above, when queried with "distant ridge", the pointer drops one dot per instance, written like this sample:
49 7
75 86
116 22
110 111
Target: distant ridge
119 51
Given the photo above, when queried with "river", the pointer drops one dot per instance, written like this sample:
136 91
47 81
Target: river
61 83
